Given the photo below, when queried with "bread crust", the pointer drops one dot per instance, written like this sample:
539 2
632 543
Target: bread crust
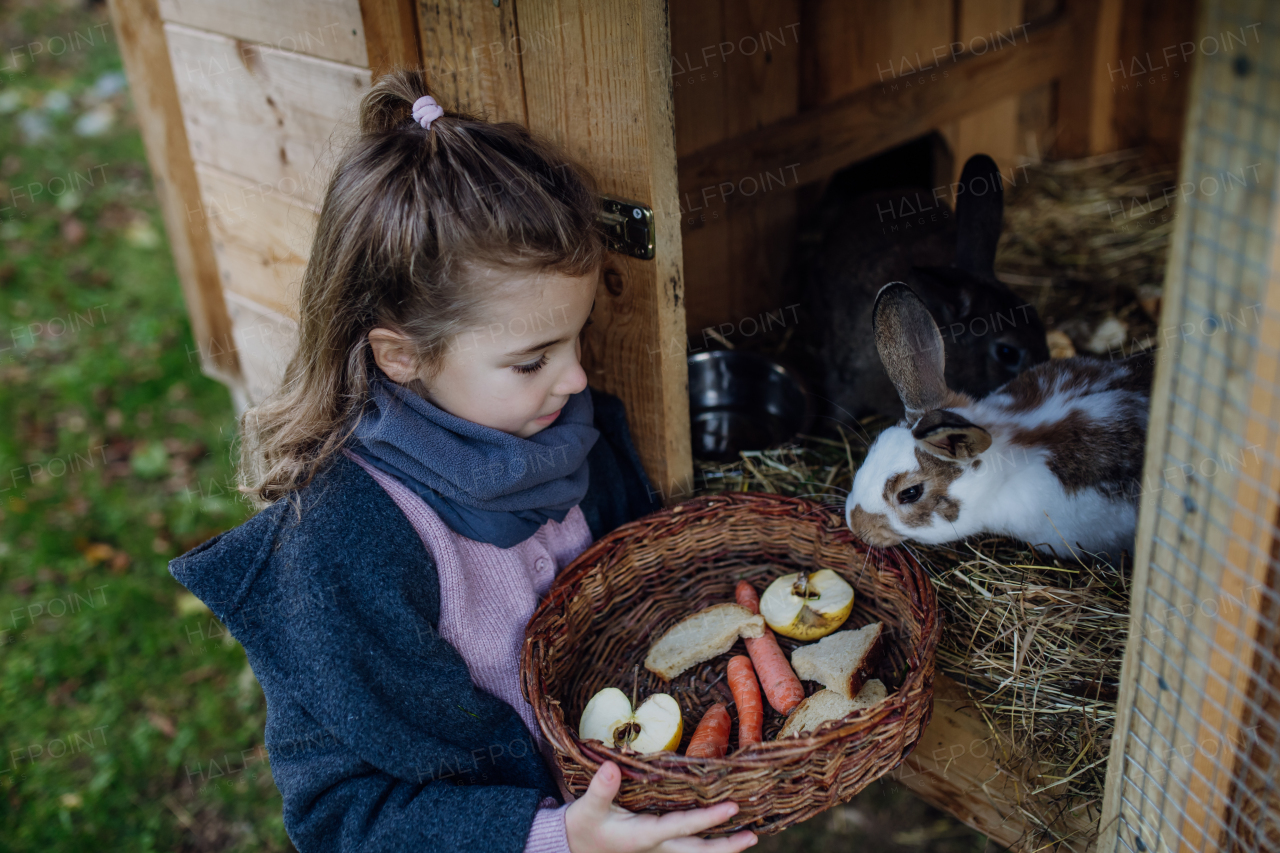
700 637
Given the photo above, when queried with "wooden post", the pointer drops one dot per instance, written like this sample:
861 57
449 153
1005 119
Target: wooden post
1198 683
145 53
1085 103
1242 639
600 86
391 35
471 53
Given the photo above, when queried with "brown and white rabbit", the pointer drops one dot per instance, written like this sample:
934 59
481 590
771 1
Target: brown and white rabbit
1053 457
990 334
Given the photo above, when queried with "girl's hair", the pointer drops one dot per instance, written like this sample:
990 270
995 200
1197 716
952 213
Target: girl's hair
413 225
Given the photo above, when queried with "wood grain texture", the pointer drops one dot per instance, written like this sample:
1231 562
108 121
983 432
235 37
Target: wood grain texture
849 47
1253 822
268 116
868 121
963 768
472 52
1235 778
735 66
264 341
1086 103
145 53
328 29
1149 77
261 239
1204 561
593 94
992 130
391 35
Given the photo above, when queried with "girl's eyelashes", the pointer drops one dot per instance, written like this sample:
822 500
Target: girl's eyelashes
532 367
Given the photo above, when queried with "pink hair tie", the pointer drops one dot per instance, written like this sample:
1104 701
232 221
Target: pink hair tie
426 110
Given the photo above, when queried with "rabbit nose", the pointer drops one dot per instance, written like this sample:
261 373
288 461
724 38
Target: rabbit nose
871 527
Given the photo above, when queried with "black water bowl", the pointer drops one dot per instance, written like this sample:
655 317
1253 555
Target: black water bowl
742 401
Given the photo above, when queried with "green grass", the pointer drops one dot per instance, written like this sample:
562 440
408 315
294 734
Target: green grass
125 716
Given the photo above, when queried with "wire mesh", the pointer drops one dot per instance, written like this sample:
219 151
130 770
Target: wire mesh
1194 761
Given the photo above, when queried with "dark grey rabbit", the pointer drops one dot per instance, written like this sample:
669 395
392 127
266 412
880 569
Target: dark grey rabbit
989 334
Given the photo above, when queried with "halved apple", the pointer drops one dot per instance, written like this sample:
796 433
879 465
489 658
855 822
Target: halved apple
656 726
807 608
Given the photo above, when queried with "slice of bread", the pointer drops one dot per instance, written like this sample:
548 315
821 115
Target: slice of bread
827 705
842 661
700 637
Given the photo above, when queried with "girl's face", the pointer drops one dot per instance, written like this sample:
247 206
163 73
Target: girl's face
518 367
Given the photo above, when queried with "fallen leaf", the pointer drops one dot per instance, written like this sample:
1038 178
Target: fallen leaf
115 215
163 724
98 552
73 231
61 695
200 674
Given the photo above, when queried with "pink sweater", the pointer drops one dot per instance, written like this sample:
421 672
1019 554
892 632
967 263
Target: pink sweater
487 596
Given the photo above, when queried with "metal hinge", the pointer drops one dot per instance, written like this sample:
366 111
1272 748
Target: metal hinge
628 227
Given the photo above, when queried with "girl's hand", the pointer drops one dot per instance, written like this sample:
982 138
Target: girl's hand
594 824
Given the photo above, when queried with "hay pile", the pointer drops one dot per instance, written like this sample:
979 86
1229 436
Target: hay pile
1038 644
1085 242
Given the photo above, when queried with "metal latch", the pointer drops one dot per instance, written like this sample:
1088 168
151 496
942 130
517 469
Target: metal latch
628 227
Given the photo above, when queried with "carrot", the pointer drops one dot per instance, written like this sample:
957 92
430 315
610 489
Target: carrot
781 686
746 695
745 594
711 738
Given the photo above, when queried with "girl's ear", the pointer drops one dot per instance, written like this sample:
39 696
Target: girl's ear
394 355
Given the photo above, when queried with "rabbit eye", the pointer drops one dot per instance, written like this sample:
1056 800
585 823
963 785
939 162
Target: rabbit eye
911 495
1009 356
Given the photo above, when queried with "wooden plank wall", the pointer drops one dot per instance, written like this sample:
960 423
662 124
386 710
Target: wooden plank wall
1151 74
266 93
263 89
870 76
146 60
732 70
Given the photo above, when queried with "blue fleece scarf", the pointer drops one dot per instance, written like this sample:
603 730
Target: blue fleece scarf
485 484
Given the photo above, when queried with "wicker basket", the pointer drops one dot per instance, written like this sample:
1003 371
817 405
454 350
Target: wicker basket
621 593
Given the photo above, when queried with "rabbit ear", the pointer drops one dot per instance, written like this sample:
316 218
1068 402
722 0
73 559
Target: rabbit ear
979 213
946 434
910 347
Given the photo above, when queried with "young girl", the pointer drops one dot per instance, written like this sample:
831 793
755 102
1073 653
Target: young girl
433 457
